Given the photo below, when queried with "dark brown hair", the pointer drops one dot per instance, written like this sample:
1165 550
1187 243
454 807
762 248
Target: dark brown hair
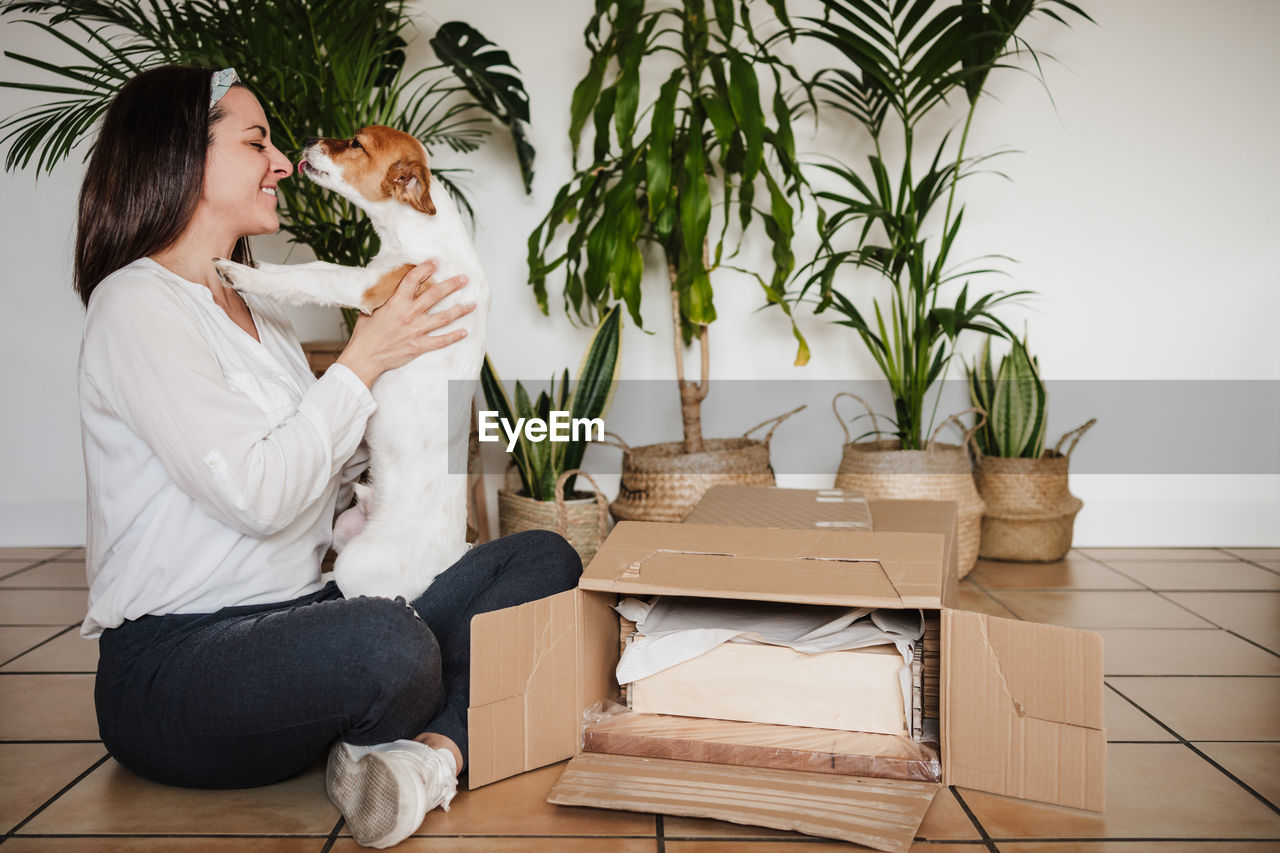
146 173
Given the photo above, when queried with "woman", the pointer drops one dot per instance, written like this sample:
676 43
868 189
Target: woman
215 462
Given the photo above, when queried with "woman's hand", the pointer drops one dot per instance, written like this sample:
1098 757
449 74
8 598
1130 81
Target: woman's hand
400 330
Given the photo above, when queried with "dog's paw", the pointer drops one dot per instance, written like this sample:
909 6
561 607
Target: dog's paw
234 274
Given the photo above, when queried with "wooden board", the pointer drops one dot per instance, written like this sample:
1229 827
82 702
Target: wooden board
763 745
852 690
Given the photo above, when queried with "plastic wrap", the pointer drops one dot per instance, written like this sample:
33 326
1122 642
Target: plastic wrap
611 728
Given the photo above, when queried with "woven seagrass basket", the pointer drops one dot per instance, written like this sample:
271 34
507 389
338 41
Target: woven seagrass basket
583 519
941 472
660 482
1030 515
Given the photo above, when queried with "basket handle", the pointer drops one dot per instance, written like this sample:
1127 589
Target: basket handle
1078 432
776 421
616 442
875 424
562 511
968 433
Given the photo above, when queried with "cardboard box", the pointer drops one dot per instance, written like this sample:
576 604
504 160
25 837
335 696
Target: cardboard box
1021 703
768 506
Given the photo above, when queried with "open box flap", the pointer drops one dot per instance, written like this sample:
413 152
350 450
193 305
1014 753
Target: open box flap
852 568
1022 709
534 667
883 814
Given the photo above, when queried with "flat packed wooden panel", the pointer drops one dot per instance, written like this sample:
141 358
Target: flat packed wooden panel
763 745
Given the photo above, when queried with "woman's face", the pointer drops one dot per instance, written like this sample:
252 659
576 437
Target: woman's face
242 170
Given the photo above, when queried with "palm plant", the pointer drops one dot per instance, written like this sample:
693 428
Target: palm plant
320 68
909 58
541 463
657 161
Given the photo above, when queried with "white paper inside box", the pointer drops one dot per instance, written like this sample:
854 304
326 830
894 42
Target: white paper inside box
1020 704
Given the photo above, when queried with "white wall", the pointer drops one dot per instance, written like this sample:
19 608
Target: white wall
1140 212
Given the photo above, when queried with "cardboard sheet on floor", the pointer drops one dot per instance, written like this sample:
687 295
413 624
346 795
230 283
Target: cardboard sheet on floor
880 813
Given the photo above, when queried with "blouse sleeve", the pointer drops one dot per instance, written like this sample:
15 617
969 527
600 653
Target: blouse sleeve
148 360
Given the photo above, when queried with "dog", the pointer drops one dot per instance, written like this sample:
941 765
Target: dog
416 508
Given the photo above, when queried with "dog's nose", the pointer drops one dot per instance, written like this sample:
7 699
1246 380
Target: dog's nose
309 141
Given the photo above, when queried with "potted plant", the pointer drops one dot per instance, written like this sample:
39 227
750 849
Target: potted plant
711 131
1030 511
908 61
320 67
547 470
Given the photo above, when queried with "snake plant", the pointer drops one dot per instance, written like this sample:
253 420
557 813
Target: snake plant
542 462
1014 398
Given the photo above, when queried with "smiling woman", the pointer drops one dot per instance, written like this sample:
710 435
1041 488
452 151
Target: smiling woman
214 462
237 198
243 161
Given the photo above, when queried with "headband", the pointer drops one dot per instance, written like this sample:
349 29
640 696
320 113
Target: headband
222 82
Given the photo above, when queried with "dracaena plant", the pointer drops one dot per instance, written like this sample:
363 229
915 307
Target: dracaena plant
541 463
1015 401
907 60
686 167
320 68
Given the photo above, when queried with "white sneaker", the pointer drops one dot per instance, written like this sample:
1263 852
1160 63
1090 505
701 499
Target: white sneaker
385 791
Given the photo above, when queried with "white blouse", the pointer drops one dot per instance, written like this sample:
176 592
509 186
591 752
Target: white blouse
213 462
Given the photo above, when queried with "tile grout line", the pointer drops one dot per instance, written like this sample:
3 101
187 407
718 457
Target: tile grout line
1136 839
660 833
1210 621
1224 771
38 645
1160 592
454 835
973 818
4 588
1185 608
1257 564
67 787
46 671
332 838
219 836
991 596
26 568
1201 740
1121 674
13 742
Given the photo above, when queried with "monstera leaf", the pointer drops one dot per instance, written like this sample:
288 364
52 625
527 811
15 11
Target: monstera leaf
488 74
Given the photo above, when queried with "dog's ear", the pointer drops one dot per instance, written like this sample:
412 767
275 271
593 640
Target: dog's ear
410 181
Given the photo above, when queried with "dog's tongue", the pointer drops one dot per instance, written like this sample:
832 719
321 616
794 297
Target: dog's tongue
301 163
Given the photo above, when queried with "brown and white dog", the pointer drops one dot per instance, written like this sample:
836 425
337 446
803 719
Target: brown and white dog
416 507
